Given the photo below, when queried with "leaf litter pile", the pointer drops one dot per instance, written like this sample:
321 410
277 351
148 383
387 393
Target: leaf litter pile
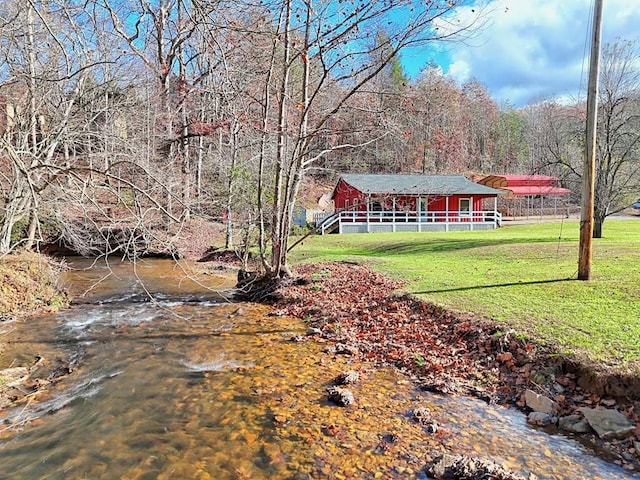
358 311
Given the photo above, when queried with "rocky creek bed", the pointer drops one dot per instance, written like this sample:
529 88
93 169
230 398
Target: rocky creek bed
357 311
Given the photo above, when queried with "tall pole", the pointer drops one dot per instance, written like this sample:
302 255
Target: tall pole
588 174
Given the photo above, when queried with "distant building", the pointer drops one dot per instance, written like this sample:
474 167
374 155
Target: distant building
527 195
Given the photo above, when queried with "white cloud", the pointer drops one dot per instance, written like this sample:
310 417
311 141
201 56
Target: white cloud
530 50
460 69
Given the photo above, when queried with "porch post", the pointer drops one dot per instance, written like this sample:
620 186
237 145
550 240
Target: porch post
446 213
393 218
471 213
495 211
368 212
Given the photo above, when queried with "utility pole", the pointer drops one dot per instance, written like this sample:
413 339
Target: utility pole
588 173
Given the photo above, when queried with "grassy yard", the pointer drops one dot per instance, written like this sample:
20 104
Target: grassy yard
522 275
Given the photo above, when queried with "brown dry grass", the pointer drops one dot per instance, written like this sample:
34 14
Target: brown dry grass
28 284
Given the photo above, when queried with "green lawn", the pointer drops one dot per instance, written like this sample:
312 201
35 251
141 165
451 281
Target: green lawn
522 275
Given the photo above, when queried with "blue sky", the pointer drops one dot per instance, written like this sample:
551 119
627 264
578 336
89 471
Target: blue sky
531 50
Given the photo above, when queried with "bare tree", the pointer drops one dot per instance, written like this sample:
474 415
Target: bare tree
553 136
617 179
75 156
558 133
159 37
323 57
42 82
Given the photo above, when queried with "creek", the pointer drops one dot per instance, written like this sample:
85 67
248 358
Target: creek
171 380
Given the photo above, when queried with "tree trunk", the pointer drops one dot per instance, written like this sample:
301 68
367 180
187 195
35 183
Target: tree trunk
33 228
278 250
6 227
14 210
598 221
264 139
184 155
235 130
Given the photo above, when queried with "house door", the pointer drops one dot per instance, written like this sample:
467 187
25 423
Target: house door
423 207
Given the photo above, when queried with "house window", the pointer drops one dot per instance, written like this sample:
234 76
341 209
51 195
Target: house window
376 205
464 206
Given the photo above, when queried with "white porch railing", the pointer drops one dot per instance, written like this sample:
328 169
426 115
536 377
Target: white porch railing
409 221
320 217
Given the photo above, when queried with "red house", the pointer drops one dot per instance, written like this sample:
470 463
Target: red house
411 203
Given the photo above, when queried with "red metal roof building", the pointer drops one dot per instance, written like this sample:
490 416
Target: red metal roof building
528 194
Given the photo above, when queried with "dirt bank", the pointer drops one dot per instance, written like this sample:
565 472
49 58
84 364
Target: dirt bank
29 285
28 288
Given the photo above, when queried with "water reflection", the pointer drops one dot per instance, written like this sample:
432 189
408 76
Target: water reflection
168 389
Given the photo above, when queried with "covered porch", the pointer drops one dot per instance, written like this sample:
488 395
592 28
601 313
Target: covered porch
373 219
372 222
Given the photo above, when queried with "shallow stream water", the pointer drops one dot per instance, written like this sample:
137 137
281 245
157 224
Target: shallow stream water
192 386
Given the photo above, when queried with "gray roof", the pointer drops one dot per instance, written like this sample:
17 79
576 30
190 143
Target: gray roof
417 185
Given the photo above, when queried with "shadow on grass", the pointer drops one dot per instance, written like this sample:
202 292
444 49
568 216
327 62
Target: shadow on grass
496 285
435 246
